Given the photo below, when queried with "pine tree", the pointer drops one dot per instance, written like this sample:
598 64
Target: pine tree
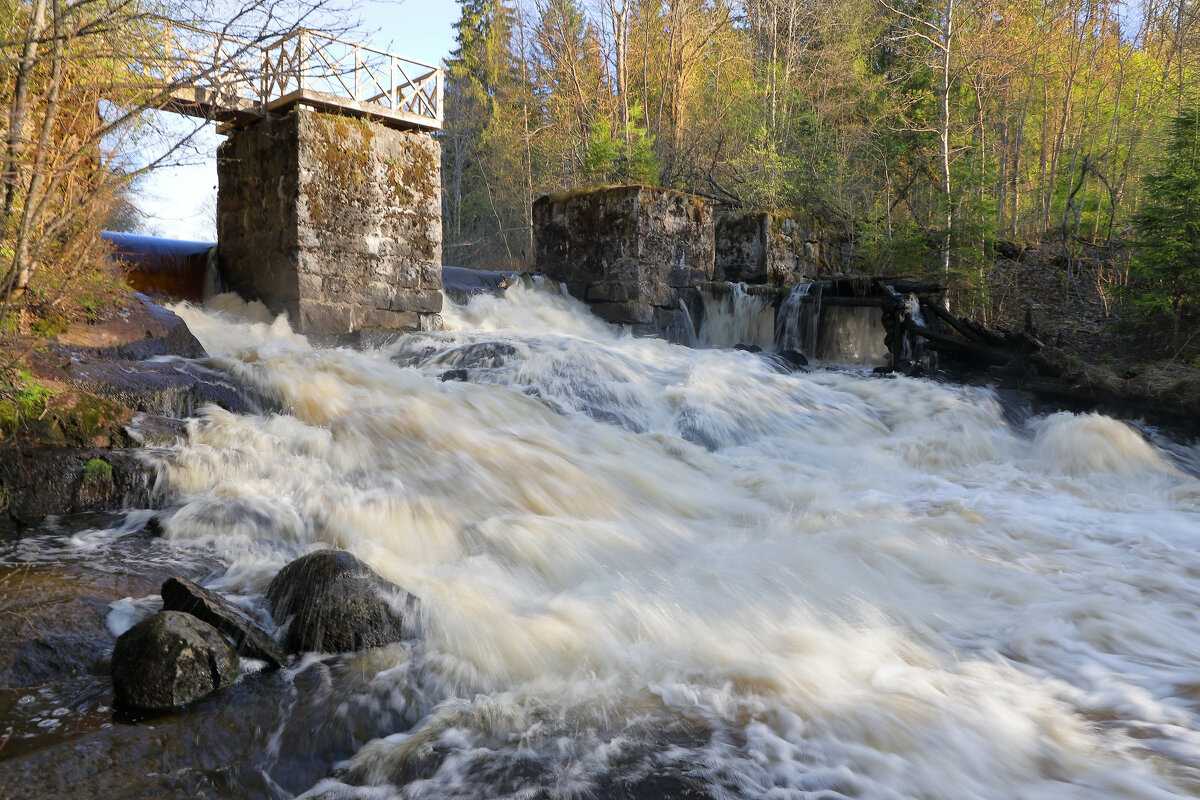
1166 271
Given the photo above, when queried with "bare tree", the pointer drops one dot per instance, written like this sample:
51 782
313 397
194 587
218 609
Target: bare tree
83 75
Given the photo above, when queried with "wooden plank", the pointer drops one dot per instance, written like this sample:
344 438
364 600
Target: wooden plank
323 101
208 104
951 320
944 342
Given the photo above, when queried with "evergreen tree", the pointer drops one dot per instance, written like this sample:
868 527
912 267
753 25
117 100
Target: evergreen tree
480 138
1166 271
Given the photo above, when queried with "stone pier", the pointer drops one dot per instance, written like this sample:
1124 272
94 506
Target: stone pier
633 253
782 249
334 220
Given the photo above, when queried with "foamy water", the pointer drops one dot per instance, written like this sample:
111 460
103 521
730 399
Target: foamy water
638 560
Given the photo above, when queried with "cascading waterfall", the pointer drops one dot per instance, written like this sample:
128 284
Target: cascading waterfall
853 335
798 319
737 317
912 348
830 333
651 571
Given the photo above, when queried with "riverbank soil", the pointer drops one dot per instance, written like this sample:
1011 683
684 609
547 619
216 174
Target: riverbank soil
1074 300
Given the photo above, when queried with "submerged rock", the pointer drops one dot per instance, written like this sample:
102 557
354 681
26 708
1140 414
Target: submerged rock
169 660
180 594
334 603
51 627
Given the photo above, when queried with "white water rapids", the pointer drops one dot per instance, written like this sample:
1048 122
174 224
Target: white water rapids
642 565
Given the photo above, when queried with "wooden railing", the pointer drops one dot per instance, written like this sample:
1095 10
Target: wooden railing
224 76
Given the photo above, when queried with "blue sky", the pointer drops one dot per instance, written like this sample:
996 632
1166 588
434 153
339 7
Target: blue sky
179 201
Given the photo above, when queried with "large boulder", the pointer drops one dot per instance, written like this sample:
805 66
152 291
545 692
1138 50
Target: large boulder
169 660
334 603
180 594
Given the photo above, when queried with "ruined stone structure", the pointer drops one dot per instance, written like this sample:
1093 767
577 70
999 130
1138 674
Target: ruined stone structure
781 249
631 252
334 220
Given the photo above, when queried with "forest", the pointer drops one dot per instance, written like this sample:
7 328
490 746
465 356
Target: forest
929 133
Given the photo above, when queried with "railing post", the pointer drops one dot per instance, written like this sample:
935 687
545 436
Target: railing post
392 82
437 112
357 73
303 53
264 78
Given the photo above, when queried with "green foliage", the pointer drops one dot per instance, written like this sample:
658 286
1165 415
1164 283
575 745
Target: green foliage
50 325
22 399
1165 285
97 470
612 159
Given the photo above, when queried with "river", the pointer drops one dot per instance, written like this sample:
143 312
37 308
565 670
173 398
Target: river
651 571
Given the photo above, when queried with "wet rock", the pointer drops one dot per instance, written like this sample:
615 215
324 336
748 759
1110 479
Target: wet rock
37 483
180 594
334 603
50 627
155 430
135 332
461 284
169 660
454 375
480 354
792 358
172 387
748 348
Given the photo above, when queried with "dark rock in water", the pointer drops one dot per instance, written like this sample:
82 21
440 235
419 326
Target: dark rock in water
337 604
794 357
475 356
42 482
168 335
454 375
460 283
50 627
180 594
787 360
662 786
173 387
170 660
155 430
748 348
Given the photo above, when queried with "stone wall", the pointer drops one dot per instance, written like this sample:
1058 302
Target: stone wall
774 248
334 220
628 251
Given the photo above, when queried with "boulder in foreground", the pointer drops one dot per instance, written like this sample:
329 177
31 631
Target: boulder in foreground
180 594
334 603
169 660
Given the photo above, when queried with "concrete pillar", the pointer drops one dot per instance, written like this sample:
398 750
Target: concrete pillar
783 249
630 252
334 220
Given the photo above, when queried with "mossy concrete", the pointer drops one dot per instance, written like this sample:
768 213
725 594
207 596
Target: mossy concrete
628 251
333 220
778 248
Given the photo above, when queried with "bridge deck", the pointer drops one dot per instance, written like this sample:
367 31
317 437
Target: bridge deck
235 82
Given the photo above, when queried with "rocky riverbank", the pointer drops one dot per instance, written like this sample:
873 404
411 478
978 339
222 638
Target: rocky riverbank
87 399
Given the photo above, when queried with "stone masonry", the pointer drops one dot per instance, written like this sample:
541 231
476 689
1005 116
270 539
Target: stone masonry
630 252
334 220
775 248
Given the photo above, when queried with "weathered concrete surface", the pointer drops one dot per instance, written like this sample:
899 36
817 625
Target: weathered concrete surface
627 251
335 221
776 248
